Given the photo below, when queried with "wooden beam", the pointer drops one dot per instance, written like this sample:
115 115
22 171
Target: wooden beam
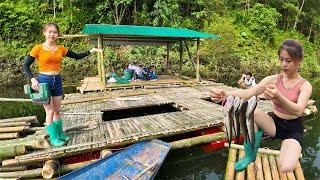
181 59
198 61
103 72
168 59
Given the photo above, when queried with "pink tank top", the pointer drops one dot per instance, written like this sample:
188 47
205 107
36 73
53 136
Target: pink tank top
291 94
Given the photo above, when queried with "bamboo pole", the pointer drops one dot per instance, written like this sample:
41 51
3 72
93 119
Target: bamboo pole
274 168
22 174
15 100
71 167
20 119
9 135
290 176
11 151
34 129
258 164
250 171
260 150
229 174
283 176
13 129
49 169
299 172
103 72
180 59
105 153
240 175
13 124
266 167
13 168
198 140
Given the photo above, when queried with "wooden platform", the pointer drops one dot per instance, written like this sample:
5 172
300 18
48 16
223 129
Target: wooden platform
266 166
90 84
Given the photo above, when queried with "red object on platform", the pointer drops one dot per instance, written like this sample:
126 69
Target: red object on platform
81 157
216 145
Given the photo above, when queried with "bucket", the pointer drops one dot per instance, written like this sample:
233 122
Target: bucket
127 74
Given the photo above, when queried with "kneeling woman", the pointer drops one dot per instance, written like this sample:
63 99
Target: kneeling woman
289 93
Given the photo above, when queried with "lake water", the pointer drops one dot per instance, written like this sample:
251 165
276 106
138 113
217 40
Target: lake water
188 163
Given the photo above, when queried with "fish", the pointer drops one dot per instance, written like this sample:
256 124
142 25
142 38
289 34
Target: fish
228 113
236 120
252 104
242 116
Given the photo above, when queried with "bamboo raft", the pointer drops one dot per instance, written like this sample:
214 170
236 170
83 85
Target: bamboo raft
265 166
85 118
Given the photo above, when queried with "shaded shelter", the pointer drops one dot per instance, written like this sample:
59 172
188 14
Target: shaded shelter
116 35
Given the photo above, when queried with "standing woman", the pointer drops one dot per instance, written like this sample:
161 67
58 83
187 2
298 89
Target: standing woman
49 56
289 93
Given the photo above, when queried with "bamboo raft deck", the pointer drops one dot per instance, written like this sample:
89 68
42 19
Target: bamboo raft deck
84 117
266 166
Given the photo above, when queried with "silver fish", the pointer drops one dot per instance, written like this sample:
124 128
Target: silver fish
227 109
242 116
252 104
236 120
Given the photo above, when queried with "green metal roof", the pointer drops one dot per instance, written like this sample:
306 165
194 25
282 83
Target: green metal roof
143 34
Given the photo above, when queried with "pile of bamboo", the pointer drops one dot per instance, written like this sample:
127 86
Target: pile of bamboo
13 127
265 166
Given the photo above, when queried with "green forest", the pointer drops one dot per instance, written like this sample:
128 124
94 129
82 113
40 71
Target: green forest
250 30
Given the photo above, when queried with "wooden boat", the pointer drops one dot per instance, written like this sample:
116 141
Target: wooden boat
139 161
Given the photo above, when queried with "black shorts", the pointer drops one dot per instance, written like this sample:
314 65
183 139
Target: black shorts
288 129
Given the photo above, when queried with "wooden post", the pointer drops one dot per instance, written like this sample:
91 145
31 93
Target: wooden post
98 58
168 59
266 167
181 59
240 175
229 174
101 70
274 168
49 169
198 61
298 172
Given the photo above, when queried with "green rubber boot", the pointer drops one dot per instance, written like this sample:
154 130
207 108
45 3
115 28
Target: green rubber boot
61 135
250 154
52 131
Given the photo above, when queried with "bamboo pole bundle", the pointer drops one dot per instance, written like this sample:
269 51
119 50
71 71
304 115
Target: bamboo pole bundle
9 135
13 124
20 119
274 168
258 164
13 129
11 151
266 167
229 174
240 175
299 172
49 169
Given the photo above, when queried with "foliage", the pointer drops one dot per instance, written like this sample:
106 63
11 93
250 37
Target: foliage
251 32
